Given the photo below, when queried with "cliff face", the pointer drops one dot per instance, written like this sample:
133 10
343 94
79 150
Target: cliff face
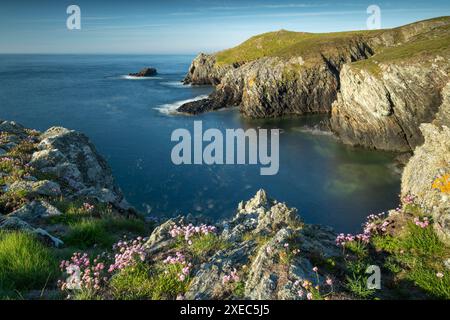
384 110
427 177
383 84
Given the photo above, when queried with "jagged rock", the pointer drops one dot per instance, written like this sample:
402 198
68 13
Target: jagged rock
146 72
430 162
71 157
203 70
267 278
12 223
37 188
263 277
260 215
207 282
35 211
12 127
384 110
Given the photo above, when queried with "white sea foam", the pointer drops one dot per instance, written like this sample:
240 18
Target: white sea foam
171 108
128 77
175 84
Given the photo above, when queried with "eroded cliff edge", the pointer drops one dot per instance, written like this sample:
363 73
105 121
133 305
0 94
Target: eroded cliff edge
378 86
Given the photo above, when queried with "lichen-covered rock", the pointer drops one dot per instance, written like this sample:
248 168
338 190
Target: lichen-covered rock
258 235
71 157
429 165
208 280
203 70
35 211
384 109
37 188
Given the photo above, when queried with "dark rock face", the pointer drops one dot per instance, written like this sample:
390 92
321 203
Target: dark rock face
146 72
199 106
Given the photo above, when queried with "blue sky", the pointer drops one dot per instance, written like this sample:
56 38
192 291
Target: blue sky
185 26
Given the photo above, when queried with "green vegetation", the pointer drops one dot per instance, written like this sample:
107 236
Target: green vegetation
103 232
205 245
288 44
133 283
25 263
417 255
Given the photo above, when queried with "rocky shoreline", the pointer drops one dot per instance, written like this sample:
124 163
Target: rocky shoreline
57 188
377 87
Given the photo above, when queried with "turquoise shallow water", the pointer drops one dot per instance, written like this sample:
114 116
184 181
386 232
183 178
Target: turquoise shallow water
328 182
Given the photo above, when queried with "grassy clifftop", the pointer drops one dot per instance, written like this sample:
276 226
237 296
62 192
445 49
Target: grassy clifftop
288 44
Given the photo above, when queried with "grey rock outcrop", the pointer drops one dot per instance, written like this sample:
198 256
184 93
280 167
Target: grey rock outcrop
72 158
431 161
275 225
384 109
12 223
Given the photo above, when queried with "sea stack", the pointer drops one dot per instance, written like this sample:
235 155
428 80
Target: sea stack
146 72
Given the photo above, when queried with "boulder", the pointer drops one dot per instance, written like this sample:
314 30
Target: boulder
35 211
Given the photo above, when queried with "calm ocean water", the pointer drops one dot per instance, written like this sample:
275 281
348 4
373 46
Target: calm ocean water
127 120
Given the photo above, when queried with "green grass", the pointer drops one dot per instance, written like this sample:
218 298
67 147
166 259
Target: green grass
132 283
418 256
205 245
142 282
86 232
25 263
166 285
287 44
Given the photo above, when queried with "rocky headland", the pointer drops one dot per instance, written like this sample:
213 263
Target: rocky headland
376 86
59 202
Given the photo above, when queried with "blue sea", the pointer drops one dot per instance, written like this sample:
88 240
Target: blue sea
130 122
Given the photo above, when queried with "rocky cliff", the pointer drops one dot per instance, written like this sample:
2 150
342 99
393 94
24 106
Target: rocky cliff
381 84
56 187
427 176
38 170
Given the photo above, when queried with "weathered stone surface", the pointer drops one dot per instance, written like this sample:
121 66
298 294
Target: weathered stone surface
37 188
207 282
35 211
203 70
71 157
267 278
384 110
12 223
430 162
